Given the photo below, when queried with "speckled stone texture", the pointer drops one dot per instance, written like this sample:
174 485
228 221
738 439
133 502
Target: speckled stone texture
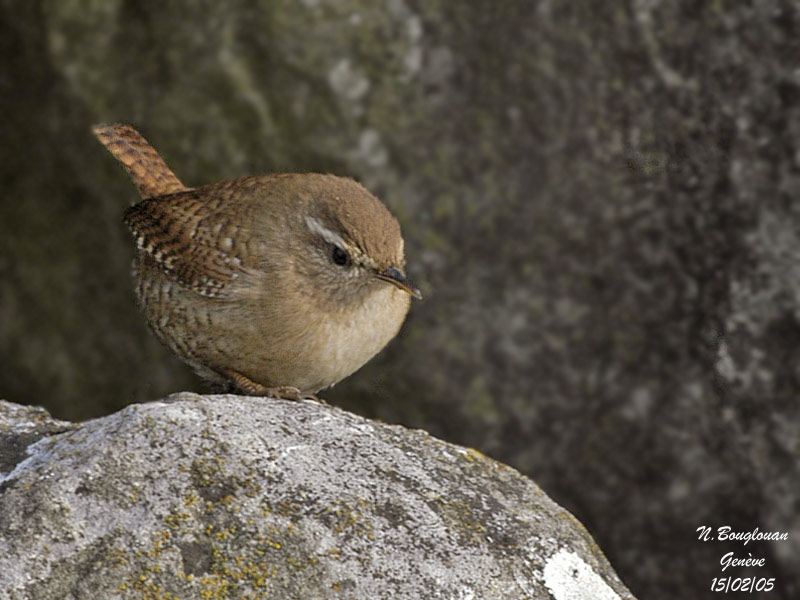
599 202
237 497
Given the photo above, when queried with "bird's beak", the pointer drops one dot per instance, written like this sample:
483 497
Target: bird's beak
395 276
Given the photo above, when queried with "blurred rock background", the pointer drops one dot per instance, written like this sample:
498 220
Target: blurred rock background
600 203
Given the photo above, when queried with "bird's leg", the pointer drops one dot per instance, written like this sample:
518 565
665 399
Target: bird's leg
284 392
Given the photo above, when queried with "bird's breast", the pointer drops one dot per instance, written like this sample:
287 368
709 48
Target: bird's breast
347 339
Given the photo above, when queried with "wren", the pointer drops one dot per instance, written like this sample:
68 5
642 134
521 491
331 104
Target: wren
275 285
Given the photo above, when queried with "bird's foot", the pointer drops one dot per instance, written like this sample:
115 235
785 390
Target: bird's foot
288 392
281 392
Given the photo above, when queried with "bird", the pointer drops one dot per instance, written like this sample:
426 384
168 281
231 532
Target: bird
271 285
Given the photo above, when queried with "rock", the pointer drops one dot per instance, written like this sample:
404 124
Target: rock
227 496
21 426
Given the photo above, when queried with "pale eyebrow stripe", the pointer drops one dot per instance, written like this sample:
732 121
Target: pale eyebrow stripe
334 238
327 235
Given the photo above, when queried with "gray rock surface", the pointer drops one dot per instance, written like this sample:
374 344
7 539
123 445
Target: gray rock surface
599 201
237 497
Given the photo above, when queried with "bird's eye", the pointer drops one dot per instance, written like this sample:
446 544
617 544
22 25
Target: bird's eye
339 256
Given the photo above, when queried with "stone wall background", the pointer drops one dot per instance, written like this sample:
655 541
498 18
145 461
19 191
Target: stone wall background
599 202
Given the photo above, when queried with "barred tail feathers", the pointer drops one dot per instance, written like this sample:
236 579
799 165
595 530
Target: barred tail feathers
143 163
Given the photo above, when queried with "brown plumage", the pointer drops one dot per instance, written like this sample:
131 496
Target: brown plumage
270 283
149 172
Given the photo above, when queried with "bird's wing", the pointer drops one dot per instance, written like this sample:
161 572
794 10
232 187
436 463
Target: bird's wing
191 240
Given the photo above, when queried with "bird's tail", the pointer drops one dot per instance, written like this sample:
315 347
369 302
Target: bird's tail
148 170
